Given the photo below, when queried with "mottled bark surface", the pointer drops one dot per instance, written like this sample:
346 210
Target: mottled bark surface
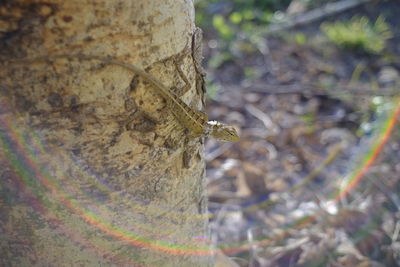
94 169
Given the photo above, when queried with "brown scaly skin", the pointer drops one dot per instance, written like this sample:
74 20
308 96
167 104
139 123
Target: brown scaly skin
223 132
195 121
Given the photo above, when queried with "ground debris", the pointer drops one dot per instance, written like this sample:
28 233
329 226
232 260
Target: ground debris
275 197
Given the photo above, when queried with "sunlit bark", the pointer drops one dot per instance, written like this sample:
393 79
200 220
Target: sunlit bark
94 169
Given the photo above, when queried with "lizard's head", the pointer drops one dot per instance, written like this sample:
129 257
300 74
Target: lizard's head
223 132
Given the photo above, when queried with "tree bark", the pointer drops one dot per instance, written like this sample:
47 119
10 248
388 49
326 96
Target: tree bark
94 169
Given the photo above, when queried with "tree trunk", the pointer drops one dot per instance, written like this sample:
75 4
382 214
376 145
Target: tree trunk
94 168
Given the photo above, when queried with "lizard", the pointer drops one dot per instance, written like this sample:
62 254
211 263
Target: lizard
195 121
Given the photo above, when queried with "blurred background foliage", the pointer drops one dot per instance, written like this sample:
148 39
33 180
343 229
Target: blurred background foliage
228 17
237 27
359 34
309 100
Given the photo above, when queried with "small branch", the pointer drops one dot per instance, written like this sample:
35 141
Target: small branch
316 90
315 14
333 153
263 117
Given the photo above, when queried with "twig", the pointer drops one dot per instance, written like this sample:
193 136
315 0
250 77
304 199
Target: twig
335 151
264 118
316 91
315 14
222 260
381 186
396 232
